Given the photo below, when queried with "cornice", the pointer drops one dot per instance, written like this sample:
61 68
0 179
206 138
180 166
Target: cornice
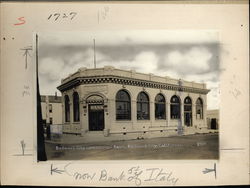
128 81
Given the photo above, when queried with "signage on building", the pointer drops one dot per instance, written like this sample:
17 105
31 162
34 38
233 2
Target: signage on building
96 107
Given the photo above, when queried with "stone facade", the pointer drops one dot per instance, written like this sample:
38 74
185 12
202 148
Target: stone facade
51 109
95 94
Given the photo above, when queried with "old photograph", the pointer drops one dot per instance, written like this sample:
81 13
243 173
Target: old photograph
128 94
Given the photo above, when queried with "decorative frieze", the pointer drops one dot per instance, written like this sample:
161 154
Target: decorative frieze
128 81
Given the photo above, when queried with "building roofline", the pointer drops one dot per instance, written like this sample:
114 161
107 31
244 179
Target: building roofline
79 80
51 98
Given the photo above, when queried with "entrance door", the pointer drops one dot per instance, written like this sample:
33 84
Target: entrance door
188 119
213 123
96 117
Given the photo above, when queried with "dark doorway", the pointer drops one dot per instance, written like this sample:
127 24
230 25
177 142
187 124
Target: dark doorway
96 117
213 123
188 119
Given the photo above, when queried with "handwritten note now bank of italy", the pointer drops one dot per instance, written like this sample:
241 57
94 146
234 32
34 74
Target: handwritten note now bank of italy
135 175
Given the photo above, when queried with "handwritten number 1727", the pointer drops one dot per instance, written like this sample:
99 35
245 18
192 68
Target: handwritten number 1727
56 16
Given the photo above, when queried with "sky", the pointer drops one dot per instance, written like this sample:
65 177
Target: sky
188 55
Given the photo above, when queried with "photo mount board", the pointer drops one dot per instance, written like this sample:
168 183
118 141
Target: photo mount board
18 91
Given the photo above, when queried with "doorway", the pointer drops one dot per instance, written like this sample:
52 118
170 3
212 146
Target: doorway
96 117
213 123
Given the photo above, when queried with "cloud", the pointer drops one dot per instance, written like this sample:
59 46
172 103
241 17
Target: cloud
51 68
144 62
194 60
210 76
213 95
129 37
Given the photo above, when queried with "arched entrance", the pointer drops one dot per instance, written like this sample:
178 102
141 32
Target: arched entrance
95 112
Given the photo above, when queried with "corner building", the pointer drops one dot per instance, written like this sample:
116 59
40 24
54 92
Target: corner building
112 104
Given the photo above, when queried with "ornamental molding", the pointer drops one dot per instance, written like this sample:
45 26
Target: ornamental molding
128 81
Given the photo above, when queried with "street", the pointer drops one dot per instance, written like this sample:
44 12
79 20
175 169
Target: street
198 146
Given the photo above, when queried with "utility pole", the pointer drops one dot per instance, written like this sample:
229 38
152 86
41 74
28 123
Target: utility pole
41 153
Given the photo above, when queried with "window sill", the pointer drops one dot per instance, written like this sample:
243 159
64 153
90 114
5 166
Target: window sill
123 120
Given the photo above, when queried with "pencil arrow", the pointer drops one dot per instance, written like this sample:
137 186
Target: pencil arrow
55 170
26 54
208 170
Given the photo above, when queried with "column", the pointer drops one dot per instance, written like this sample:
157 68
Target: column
109 108
133 112
152 113
182 114
194 115
168 113
81 112
71 112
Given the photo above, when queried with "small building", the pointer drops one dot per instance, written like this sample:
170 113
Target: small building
51 109
113 104
213 119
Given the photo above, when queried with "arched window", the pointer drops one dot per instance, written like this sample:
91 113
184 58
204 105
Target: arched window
160 107
123 105
142 106
67 108
188 111
175 107
199 109
187 104
76 107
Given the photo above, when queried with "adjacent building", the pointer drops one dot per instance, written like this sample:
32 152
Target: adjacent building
113 104
51 109
213 119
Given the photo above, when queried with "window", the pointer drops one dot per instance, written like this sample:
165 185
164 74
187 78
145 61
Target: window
160 107
51 121
67 108
175 107
187 104
50 108
199 109
123 105
142 106
188 111
76 107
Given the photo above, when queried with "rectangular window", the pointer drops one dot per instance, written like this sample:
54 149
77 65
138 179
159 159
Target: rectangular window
175 111
199 114
123 111
160 111
187 108
50 121
142 111
50 108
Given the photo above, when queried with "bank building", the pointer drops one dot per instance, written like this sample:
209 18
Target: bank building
106 103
